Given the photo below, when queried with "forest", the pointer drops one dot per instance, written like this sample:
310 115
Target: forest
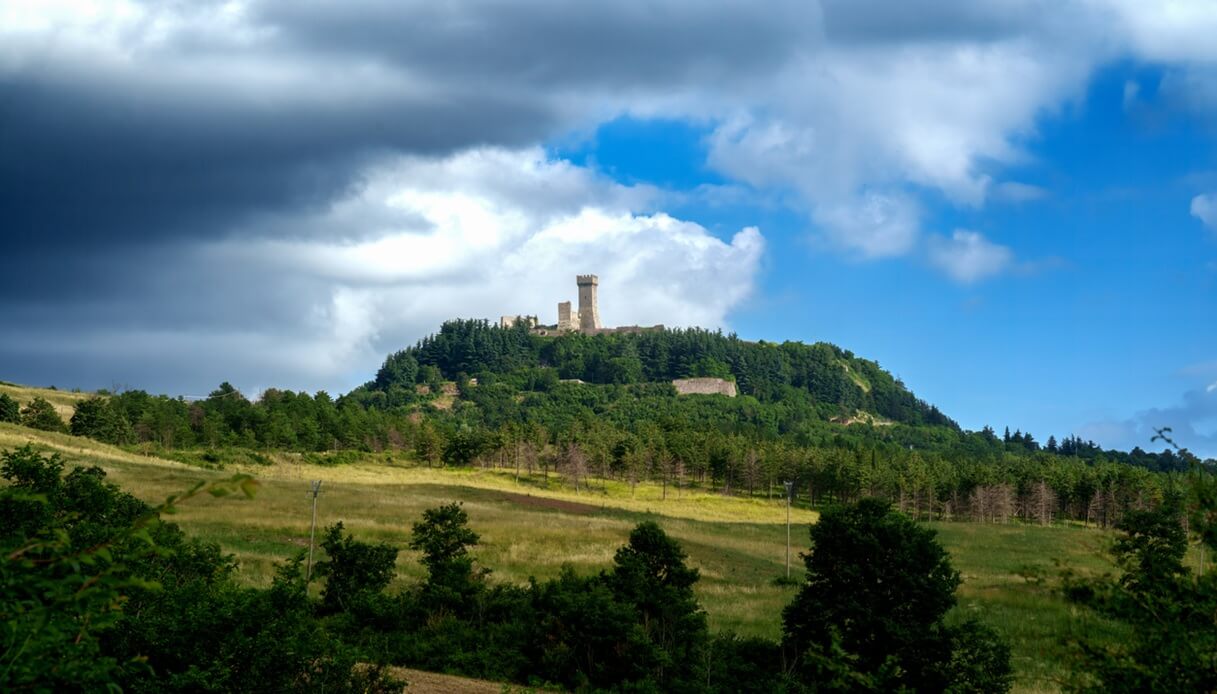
589 408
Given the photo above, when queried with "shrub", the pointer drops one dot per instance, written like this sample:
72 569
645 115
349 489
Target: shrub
41 414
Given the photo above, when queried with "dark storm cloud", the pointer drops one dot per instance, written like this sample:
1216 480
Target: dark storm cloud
556 45
108 164
105 154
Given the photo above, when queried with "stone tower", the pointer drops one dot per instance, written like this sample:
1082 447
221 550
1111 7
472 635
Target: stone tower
589 314
565 322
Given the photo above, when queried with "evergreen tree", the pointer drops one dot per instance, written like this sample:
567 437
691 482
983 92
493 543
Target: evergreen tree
870 615
10 411
41 414
650 573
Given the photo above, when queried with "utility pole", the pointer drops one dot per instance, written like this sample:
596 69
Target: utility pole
789 490
314 490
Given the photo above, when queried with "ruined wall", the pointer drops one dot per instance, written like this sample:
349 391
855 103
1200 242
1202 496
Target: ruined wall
510 321
565 321
704 386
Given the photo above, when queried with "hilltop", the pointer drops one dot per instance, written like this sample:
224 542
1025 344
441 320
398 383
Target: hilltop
822 377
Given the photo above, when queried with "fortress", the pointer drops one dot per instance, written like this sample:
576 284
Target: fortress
586 321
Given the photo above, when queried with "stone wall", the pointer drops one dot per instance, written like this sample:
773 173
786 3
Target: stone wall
704 386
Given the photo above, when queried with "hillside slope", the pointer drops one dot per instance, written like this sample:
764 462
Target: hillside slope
821 375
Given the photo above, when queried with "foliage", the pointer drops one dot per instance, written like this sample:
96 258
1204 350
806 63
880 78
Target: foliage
353 570
41 414
650 574
1170 611
97 592
10 411
444 538
871 613
99 418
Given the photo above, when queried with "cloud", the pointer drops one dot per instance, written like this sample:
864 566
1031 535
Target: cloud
480 233
1193 424
249 174
1204 208
1016 192
968 257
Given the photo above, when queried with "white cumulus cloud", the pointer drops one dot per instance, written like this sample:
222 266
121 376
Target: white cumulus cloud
491 232
1204 208
968 256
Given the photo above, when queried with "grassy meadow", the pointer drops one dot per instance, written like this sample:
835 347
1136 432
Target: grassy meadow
63 401
531 528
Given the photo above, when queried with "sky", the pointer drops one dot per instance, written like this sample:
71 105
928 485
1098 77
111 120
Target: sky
1010 205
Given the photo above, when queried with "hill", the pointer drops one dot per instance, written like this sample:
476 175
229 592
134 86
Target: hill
822 376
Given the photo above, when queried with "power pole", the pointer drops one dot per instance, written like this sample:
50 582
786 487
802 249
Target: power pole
314 490
789 490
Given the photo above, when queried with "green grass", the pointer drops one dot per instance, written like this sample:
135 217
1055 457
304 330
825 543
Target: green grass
530 529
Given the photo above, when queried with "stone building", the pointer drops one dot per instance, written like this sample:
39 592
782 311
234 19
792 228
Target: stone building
586 320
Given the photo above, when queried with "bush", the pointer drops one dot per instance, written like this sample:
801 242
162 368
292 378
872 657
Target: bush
41 414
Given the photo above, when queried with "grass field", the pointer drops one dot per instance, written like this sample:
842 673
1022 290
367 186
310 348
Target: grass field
64 401
532 530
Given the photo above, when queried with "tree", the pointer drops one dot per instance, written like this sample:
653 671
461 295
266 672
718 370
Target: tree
870 615
650 574
400 369
353 570
444 538
98 418
1172 636
10 411
41 414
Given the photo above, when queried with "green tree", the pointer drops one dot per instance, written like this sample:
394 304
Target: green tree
353 570
443 537
41 414
1172 636
10 411
650 573
870 615
98 418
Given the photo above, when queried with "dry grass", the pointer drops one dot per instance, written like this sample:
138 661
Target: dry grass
64 401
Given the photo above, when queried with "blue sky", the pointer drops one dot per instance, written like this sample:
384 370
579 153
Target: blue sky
1012 205
1113 311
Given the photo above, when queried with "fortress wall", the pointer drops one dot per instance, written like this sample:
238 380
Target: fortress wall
704 386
